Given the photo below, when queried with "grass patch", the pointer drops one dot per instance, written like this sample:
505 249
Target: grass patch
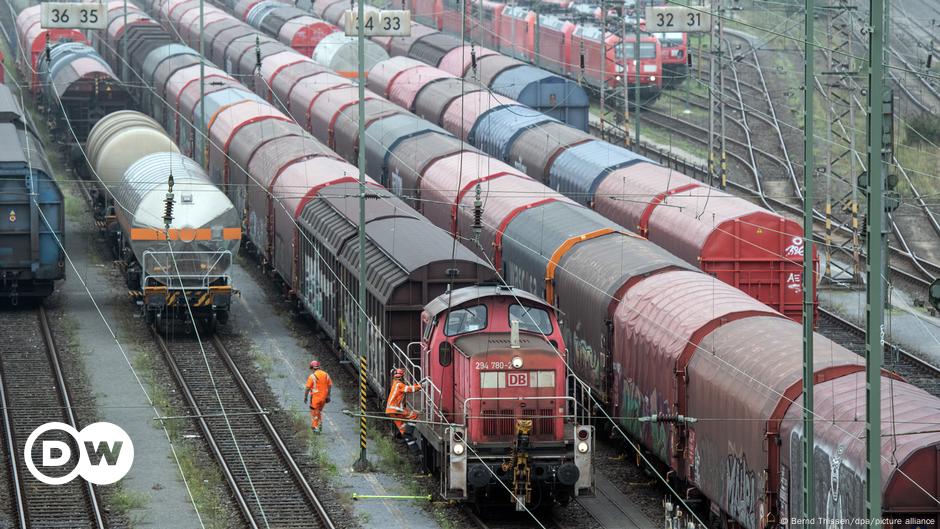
126 501
391 460
924 130
317 445
204 481
264 362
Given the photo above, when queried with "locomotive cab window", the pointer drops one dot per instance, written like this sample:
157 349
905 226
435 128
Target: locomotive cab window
531 319
465 320
647 50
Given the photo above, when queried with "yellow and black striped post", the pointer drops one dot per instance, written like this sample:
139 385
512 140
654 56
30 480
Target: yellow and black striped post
362 464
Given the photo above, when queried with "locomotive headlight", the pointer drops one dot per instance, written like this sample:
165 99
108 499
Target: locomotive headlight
583 447
652 78
517 362
458 449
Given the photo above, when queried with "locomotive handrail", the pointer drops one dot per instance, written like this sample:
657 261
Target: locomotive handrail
426 402
177 280
585 390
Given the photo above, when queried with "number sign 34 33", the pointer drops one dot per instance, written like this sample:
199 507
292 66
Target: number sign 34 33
392 23
73 15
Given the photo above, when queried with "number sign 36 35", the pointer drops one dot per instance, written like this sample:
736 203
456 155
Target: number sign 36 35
73 15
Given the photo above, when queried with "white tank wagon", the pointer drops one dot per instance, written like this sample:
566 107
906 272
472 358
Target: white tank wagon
116 142
176 268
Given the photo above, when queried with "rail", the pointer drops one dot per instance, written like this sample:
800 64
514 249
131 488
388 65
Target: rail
269 499
26 404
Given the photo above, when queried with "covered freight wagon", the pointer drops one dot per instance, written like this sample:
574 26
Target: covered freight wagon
728 237
340 54
556 96
83 86
408 262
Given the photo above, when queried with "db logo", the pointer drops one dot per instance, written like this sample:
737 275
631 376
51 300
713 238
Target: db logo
105 453
517 379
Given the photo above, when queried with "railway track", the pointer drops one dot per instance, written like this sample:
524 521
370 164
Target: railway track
33 392
771 176
914 369
609 508
267 485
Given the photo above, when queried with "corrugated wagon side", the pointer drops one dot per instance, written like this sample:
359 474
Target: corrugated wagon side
409 262
32 213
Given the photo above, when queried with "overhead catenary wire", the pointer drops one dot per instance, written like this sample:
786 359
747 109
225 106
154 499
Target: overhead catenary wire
104 320
360 308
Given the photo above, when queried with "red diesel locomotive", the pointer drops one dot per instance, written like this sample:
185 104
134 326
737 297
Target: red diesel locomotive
494 361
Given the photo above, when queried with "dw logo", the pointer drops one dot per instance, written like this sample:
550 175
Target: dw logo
105 453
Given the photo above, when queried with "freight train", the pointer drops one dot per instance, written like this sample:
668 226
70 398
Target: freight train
552 93
647 331
176 258
728 237
68 77
300 211
32 209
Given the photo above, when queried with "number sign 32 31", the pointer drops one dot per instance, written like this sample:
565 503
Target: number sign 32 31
678 19
69 15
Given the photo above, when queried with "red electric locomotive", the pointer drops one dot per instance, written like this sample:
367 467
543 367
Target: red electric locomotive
554 43
496 395
675 52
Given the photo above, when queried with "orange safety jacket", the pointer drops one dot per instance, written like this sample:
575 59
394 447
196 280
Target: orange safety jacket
319 384
396 397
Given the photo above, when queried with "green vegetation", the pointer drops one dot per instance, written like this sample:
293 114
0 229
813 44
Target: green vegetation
204 481
925 130
391 460
125 501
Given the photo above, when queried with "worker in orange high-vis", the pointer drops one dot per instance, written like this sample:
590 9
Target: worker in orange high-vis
395 407
319 384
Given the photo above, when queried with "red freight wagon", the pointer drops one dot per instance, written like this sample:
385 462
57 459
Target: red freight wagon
459 61
34 39
304 33
726 236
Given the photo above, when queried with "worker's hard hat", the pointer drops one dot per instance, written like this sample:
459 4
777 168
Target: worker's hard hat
315 364
398 373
